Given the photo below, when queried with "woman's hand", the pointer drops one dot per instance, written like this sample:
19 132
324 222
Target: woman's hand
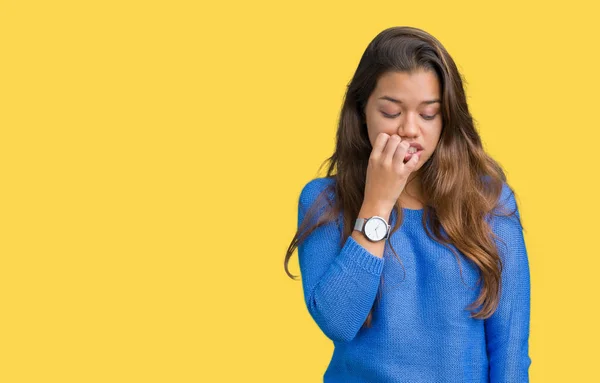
387 174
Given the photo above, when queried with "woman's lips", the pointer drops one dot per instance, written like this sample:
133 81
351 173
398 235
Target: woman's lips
409 155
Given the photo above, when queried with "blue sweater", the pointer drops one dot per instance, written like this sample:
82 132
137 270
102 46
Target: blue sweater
420 330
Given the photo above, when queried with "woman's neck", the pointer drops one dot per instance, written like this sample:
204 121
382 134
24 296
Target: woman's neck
411 196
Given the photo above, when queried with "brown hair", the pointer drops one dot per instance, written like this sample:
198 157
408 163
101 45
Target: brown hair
458 170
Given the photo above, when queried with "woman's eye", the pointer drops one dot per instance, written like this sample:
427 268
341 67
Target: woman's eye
386 115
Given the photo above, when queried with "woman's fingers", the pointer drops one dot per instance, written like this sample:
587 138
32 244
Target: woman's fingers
387 174
400 154
411 164
380 142
390 149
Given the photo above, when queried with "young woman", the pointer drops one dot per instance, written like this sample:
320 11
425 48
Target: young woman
451 302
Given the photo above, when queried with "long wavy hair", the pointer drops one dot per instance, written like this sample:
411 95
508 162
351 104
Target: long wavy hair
461 184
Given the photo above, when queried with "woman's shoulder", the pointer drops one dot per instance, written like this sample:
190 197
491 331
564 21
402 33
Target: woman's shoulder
506 214
507 202
315 187
506 199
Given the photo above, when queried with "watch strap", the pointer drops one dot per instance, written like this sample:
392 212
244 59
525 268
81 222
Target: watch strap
359 224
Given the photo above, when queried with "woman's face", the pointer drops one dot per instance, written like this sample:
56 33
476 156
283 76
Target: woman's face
407 105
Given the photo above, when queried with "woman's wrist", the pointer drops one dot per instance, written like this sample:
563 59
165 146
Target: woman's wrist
368 210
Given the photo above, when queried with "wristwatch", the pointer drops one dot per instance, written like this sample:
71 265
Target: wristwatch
375 228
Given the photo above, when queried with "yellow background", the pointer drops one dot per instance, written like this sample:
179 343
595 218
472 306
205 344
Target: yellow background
153 153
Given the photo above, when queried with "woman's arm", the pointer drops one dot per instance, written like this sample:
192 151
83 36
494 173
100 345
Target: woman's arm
340 285
507 330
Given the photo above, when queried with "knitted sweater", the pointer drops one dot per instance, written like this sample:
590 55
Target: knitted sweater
420 330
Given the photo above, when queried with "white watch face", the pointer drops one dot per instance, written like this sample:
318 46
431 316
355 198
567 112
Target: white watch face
375 229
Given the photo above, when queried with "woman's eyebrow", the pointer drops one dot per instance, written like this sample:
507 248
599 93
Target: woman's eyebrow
400 102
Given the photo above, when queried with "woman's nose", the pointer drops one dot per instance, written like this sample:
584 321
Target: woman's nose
408 127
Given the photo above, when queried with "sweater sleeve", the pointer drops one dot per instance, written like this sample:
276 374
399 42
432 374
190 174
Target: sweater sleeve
339 284
507 330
